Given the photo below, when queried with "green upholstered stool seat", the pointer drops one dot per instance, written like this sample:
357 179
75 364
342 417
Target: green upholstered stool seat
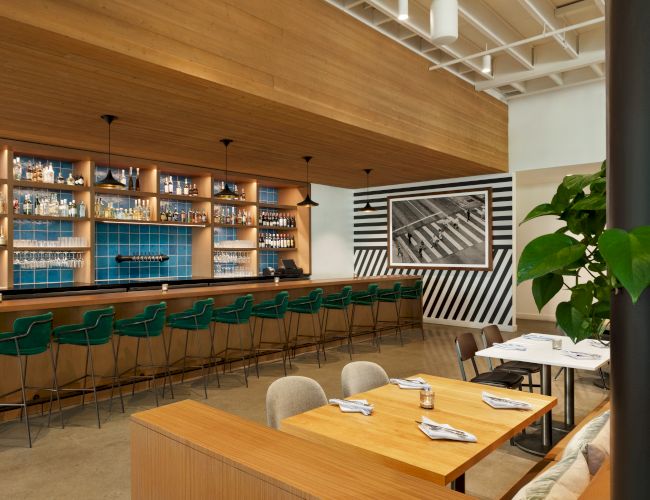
30 336
309 305
236 314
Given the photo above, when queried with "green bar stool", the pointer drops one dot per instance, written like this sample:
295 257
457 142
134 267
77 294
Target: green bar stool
309 305
30 336
237 314
146 325
194 320
390 296
413 293
273 309
96 329
366 298
338 302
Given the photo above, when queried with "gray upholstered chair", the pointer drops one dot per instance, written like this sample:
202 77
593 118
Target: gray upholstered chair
290 396
361 376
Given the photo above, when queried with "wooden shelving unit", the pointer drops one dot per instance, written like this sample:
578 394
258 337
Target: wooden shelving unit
151 175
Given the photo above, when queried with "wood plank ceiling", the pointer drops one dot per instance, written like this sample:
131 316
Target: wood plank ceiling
56 85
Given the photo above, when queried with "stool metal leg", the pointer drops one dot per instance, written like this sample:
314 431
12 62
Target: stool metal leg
243 356
24 395
187 337
83 393
116 377
92 374
167 348
316 338
398 328
55 383
153 378
225 353
135 367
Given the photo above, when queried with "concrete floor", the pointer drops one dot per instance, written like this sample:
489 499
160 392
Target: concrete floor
82 461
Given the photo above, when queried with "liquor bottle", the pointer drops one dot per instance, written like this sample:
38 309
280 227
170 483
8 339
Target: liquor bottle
186 188
165 186
18 169
3 238
163 212
204 217
183 215
195 190
79 181
82 209
70 180
175 216
130 186
243 195
16 206
72 210
60 179
27 205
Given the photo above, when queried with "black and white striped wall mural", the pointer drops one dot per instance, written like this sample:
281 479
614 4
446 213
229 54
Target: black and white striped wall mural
457 297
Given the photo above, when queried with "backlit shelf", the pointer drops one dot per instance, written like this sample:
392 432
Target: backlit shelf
49 217
48 185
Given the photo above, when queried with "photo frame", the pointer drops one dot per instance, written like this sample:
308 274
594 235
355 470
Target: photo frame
441 230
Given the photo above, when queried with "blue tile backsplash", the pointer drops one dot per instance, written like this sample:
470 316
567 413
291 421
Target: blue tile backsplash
131 239
267 259
268 195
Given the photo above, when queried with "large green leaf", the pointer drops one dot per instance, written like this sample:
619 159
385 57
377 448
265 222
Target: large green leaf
628 257
545 287
546 254
562 199
540 210
572 322
594 201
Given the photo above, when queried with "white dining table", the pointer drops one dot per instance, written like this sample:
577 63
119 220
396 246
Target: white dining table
539 350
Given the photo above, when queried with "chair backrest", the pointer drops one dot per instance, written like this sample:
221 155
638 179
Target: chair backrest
282 302
491 335
315 299
397 288
372 289
39 329
290 396
155 316
361 376
99 323
466 349
418 288
203 309
244 304
346 295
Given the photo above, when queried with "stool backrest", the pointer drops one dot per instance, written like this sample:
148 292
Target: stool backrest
203 310
282 302
315 299
372 289
397 288
361 376
35 330
99 323
155 316
346 295
418 288
290 396
491 335
244 305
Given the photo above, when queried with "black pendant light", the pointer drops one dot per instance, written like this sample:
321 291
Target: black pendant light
307 202
368 207
109 181
226 193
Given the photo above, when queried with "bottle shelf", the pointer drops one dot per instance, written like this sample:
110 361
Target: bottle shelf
125 192
240 226
279 228
52 249
48 185
49 217
278 249
275 205
239 203
150 223
235 249
181 197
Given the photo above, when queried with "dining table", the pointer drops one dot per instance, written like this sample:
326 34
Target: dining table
537 348
390 435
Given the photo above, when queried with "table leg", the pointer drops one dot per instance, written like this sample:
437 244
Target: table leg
459 484
569 399
547 420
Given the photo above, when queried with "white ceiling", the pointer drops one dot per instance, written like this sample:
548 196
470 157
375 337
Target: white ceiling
540 59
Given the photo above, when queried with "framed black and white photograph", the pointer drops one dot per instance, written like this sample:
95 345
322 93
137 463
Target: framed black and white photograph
444 230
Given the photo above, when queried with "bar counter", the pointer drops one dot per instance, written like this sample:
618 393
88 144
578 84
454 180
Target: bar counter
68 309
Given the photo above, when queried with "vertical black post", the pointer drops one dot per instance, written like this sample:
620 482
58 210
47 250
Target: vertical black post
628 156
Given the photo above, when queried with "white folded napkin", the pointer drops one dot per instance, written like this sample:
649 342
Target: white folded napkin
509 346
353 405
444 431
500 402
604 344
410 383
581 355
536 336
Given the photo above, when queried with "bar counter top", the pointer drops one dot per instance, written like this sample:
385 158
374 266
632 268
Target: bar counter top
96 299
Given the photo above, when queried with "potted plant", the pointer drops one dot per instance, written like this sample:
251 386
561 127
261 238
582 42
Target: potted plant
584 257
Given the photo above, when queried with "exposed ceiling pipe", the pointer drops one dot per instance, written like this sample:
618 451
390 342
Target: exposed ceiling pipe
444 29
403 10
525 41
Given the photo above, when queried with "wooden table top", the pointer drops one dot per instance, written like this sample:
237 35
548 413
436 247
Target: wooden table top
98 299
391 436
301 464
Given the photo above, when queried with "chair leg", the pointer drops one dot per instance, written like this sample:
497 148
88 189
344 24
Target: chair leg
23 377
259 348
326 316
187 337
251 330
375 333
285 352
153 378
83 393
135 367
530 382
225 354
398 328
243 356
55 383
116 373
169 371
321 344
316 339
422 317
92 375
346 320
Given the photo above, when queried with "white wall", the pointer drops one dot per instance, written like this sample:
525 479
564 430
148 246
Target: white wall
559 128
332 232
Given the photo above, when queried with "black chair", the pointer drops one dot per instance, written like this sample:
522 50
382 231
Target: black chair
466 349
492 335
